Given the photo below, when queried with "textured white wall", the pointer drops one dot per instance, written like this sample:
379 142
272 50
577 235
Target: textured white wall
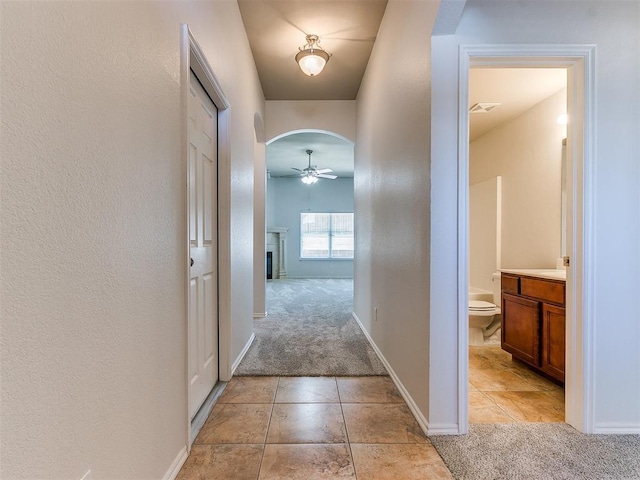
613 27
527 153
259 230
337 116
290 198
392 193
92 282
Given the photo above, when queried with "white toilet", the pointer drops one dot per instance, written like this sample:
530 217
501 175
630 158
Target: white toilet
484 315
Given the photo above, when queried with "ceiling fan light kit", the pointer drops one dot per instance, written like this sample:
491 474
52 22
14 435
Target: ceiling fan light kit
310 175
312 58
309 179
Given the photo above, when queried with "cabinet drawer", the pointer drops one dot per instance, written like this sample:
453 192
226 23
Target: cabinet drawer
545 290
509 283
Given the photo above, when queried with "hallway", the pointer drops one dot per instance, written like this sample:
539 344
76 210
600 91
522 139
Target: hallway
301 428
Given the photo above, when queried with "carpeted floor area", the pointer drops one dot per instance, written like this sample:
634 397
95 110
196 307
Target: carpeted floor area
310 332
547 451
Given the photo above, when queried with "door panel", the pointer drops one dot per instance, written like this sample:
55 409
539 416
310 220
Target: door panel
203 287
553 341
521 328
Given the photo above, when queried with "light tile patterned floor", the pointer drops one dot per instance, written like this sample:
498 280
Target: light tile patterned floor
304 428
502 390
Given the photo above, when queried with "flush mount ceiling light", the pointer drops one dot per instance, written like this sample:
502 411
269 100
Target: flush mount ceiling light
311 57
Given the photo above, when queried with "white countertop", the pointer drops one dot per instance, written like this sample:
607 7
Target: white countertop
538 272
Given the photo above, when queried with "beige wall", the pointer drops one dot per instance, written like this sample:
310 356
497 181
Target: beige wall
92 282
286 116
391 187
527 153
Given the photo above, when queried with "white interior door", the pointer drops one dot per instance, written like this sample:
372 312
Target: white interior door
203 278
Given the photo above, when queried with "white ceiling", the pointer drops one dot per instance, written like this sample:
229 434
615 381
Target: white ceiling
328 152
517 89
347 29
277 28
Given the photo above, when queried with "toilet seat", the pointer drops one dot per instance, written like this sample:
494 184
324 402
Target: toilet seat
481 306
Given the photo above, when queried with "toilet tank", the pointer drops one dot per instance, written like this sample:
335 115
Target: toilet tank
496 288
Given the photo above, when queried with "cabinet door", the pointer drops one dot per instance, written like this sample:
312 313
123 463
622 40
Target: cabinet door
553 341
521 328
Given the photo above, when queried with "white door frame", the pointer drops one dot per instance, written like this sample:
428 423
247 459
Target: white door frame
192 58
579 60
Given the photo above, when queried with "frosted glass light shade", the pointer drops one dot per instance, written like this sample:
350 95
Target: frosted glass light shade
312 58
311 61
309 179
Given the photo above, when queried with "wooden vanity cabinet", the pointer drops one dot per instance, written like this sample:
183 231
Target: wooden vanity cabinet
533 322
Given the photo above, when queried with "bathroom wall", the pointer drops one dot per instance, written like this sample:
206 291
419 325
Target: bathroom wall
287 198
484 232
526 152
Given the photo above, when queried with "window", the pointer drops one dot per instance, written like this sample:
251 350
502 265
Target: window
326 235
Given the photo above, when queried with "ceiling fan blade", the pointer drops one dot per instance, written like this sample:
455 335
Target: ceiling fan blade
324 170
295 175
324 175
294 168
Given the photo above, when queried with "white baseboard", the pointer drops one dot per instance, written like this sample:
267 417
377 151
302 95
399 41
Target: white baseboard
424 425
443 429
260 315
617 428
242 354
321 277
177 464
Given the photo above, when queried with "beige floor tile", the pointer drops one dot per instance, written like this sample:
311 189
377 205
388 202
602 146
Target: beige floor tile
482 409
306 462
381 423
307 390
307 423
236 423
530 406
250 390
368 390
557 394
496 380
398 462
237 462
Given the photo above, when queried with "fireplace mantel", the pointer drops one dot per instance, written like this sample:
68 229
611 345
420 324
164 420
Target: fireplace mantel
277 243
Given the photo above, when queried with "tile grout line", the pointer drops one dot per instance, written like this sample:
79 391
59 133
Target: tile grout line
266 433
346 431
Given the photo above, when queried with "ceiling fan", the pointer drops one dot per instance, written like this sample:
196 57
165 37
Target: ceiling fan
312 173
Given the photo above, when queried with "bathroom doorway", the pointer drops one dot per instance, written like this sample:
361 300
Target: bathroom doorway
517 123
578 62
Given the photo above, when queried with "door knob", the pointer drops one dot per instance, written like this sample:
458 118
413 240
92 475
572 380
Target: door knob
192 262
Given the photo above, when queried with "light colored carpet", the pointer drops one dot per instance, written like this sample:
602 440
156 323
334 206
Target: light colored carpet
309 332
546 451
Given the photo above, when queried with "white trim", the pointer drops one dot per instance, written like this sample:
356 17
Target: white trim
616 428
176 465
424 425
319 277
260 314
443 429
580 62
243 353
192 58
202 415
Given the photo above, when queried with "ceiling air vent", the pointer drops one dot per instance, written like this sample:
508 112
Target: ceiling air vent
483 107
